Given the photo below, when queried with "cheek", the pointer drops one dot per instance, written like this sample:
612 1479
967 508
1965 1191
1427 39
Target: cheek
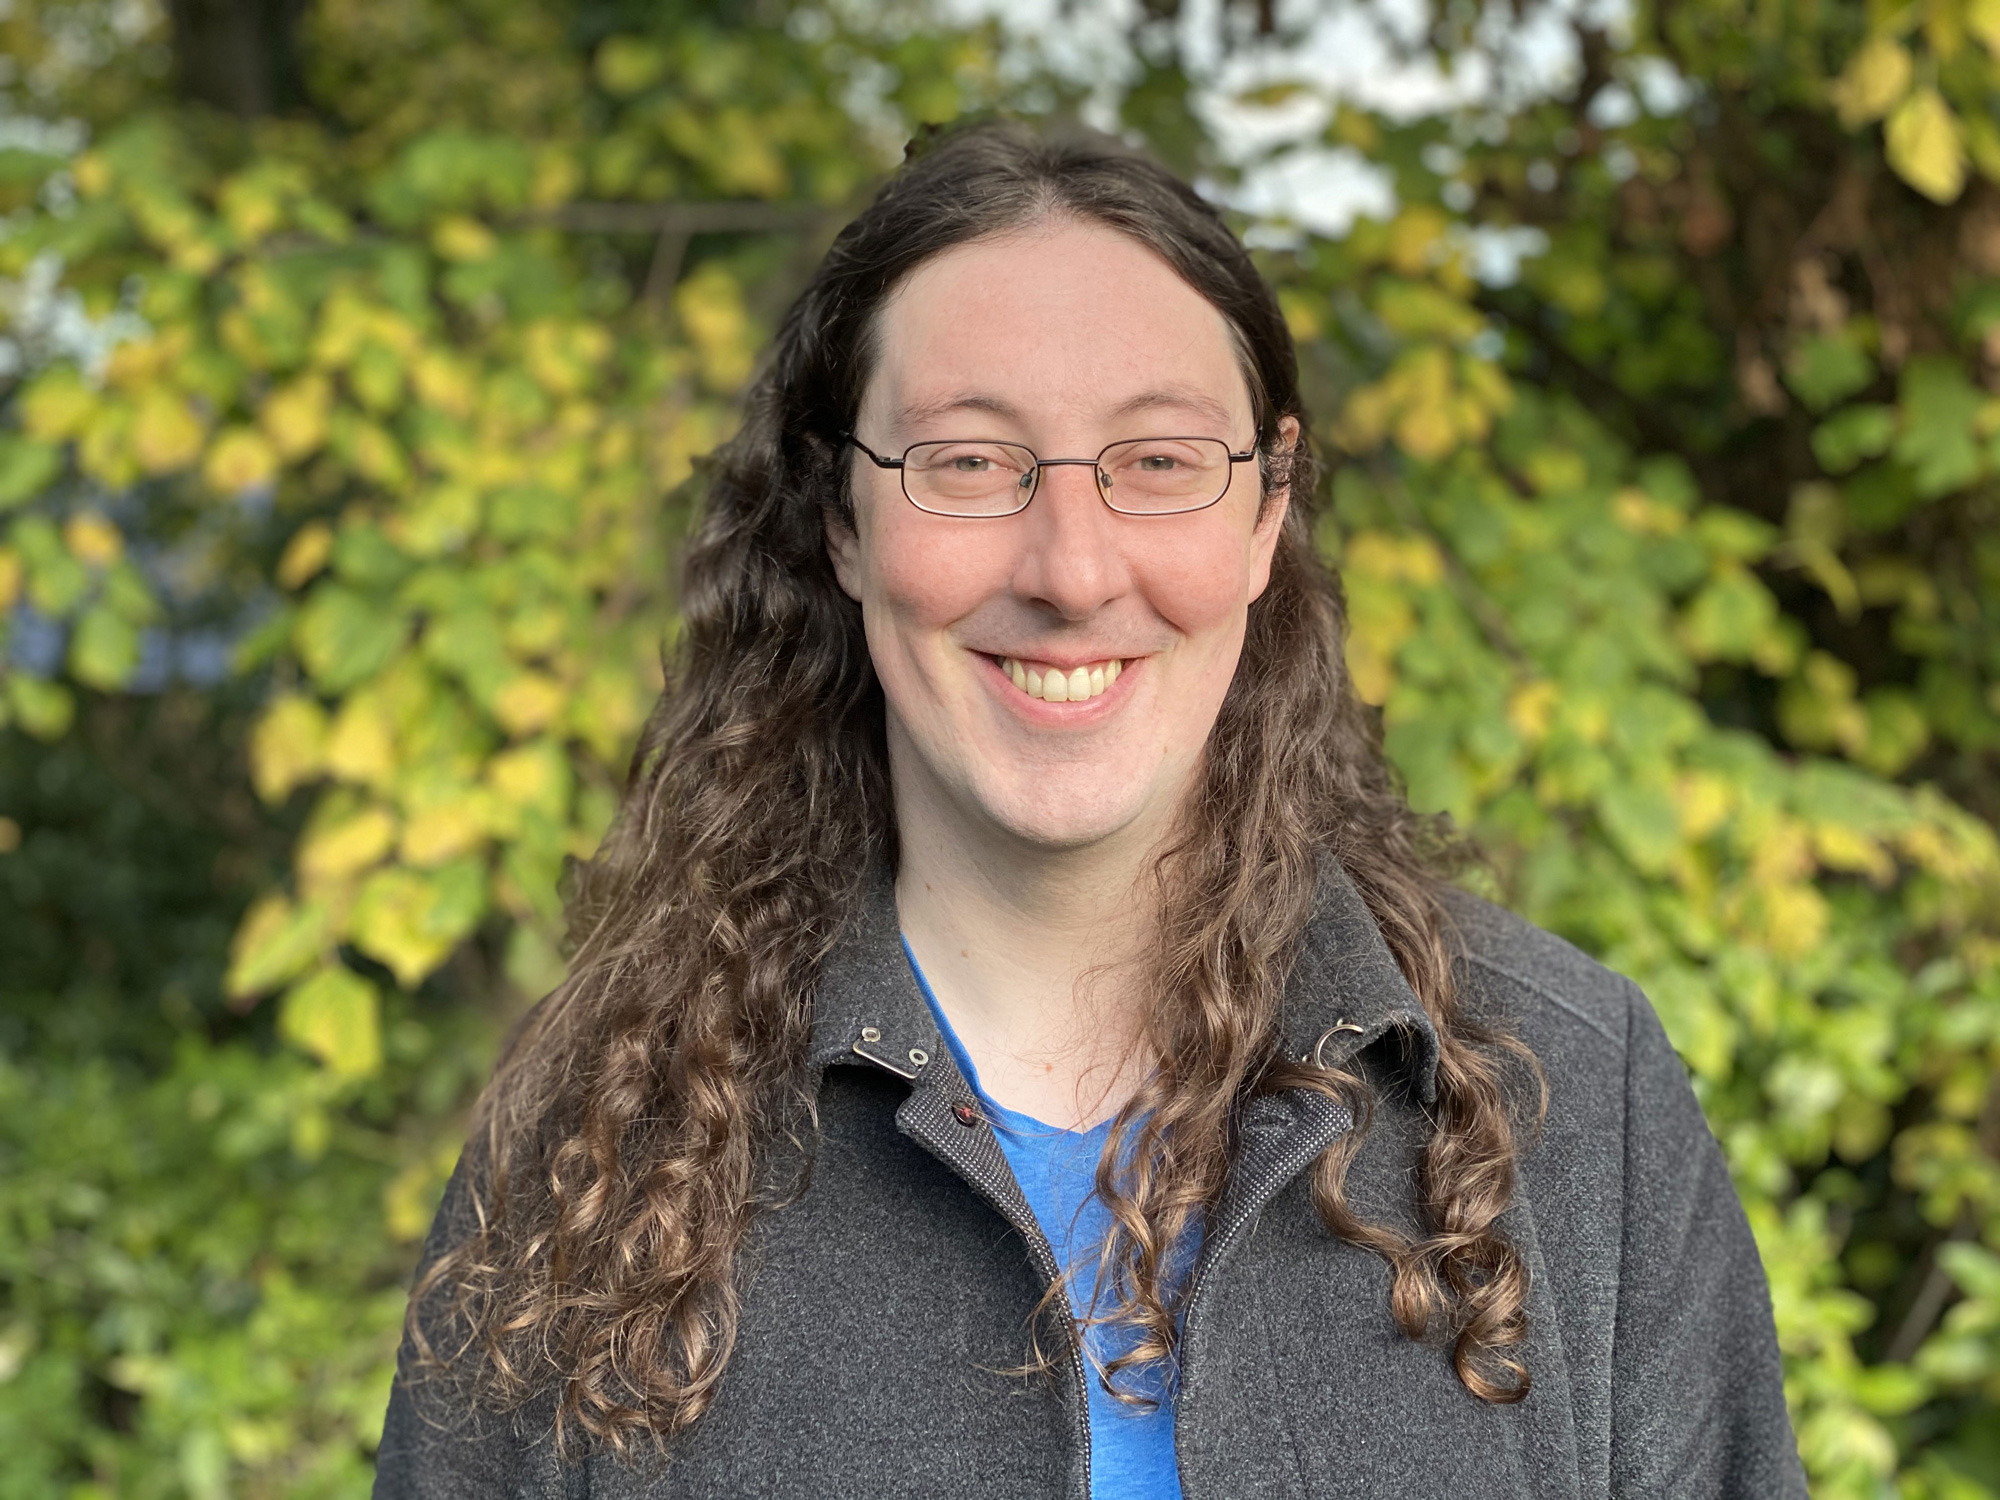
928 575
1200 584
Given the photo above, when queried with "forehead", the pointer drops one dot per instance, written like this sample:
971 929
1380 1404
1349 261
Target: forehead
1063 325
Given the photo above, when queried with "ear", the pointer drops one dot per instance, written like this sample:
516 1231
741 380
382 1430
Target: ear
843 550
1271 521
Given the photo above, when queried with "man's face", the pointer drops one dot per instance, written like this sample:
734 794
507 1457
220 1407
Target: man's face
1061 339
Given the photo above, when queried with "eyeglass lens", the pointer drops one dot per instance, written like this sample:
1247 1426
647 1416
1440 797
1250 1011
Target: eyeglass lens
1147 476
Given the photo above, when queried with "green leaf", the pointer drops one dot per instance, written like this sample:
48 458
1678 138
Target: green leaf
1849 436
1975 1268
41 707
26 469
277 942
1940 440
336 1016
1729 617
1642 820
1828 369
344 637
57 582
104 650
412 921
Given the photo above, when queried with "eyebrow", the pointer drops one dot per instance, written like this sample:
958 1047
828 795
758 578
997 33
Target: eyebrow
1185 398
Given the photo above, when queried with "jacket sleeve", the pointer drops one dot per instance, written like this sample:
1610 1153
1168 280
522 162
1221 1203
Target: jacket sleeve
435 1444
1698 1403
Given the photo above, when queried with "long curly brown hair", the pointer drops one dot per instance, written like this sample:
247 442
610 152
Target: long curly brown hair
622 1150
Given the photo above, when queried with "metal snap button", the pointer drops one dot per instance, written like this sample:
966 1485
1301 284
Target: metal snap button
965 1114
871 1034
919 1056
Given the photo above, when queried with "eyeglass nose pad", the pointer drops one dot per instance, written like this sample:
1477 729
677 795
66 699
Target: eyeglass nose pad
1027 480
1103 479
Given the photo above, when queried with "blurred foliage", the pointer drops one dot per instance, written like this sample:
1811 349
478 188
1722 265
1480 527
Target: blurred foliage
341 457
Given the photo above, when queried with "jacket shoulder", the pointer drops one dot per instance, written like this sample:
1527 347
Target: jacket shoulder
1514 971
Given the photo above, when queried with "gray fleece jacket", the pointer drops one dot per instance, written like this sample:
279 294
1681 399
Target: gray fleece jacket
881 1307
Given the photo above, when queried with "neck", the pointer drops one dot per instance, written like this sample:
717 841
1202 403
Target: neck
1035 954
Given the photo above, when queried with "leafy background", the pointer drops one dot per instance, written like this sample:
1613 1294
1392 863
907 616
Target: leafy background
355 364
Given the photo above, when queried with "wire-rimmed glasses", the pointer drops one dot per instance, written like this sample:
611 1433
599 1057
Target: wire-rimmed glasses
1159 476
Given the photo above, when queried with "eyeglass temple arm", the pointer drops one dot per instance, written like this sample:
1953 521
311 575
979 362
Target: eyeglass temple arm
873 457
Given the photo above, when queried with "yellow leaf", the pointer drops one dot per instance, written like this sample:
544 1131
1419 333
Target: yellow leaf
166 434
627 64
558 174
137 363
412 921
528 703
443 831
305 554
710 305
1850 851
337 1017
275 942
445 381
251 205
1874 81
1703 802
11 573
93 540
240 459
1302 315
344 324
1794 918
530 776
295 416
1531 708
1371 669
410 1198
457 237
92 174
362 746
288 746
1640 512
1416 237
1926 146
1426 431
1982 19
335 851
57 405
1377 554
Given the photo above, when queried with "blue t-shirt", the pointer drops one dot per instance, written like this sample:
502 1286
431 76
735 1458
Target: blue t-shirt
1131 1448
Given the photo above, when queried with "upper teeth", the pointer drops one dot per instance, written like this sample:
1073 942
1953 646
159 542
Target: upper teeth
1058 686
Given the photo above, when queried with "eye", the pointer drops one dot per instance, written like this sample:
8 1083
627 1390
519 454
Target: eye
971 463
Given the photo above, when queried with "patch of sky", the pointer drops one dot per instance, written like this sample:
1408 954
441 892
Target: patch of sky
35 642
42 137
46 322
1613 107
1316 189
1267 100
1493 253
1660 85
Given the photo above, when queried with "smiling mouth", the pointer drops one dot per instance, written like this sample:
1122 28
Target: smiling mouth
1054 685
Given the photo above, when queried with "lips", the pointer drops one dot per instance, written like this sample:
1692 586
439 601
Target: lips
1055 684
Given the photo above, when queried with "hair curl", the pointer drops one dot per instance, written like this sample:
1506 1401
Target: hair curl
620 1153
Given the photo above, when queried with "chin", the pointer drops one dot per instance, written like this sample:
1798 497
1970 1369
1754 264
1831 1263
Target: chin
1060 812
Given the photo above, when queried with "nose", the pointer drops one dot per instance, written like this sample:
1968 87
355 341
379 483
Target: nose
1071 558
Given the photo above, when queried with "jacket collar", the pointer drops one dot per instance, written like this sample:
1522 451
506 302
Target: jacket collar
1345 994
